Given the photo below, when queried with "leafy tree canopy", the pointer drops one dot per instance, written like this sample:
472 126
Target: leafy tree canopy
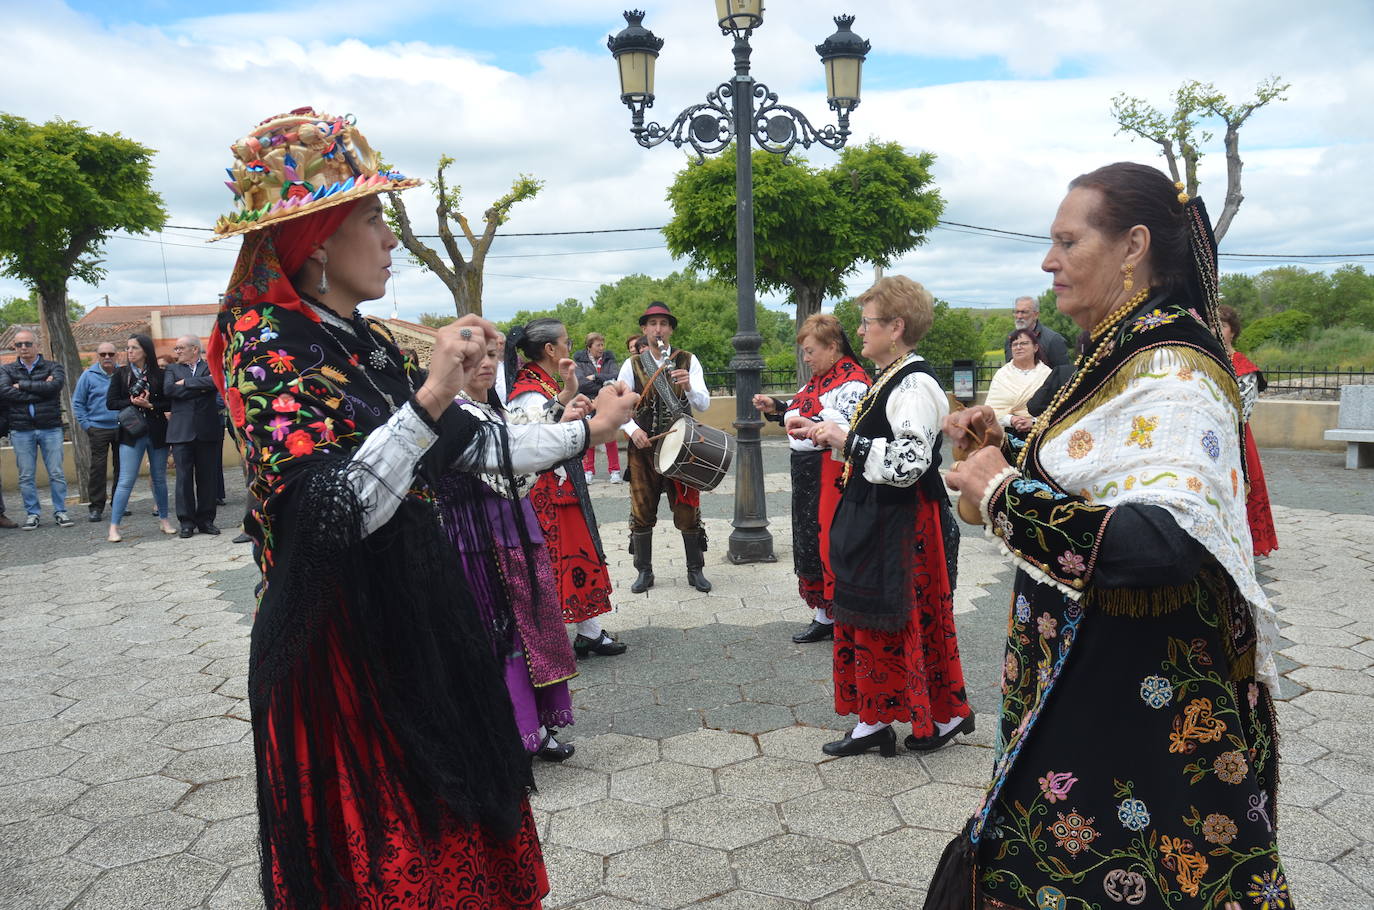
66 189
812 227
24 310
705 310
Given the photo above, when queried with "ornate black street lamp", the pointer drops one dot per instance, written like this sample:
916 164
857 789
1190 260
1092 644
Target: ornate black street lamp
730 114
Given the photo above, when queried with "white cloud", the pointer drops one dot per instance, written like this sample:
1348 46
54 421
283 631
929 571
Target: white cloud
1006 148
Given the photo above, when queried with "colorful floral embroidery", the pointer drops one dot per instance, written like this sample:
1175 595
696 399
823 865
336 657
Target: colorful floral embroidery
1195 484
1001 525
1046 625
1230 767
1141 428
1196 725
1022 608
1055 785
1072 563
1050 898
1218 829
1133 815
1156 691
1080 443
1185 374
1188 865
1130 482
1270 891
1152 320
1125 886
1073 833
1011 669
1211 444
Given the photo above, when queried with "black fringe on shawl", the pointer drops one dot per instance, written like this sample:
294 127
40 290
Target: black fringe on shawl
393 612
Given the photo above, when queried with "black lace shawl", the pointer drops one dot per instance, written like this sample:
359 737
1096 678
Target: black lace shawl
380 629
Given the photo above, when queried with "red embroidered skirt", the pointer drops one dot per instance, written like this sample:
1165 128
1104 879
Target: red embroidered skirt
913 674
462 867
584 584
1257 501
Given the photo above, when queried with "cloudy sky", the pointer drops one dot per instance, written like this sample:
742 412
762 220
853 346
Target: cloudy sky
1013 98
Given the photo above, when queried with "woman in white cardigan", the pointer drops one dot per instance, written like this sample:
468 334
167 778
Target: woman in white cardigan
1019 378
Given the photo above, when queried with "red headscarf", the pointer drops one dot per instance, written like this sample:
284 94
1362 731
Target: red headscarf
262 274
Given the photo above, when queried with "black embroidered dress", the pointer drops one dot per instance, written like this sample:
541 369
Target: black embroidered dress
1137 759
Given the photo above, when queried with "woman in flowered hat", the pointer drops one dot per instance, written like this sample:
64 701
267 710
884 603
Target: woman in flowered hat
389 769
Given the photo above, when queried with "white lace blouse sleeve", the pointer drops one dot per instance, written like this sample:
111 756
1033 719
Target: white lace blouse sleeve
1249 394
838 404
382 469
914 410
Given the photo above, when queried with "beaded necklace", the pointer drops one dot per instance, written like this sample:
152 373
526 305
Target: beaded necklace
866 404
538 373
1082 367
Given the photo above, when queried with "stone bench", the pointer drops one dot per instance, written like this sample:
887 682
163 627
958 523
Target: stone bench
1355 425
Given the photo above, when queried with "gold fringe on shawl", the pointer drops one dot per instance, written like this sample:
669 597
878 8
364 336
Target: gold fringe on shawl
1140 602
1142 364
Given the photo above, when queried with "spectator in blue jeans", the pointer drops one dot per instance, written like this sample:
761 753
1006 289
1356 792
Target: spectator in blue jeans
139 383
31 389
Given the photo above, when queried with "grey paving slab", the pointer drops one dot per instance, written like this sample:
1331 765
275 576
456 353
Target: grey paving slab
126 768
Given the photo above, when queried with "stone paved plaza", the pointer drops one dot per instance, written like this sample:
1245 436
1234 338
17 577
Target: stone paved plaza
126 771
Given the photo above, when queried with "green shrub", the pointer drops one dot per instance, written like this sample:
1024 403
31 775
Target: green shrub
1279 330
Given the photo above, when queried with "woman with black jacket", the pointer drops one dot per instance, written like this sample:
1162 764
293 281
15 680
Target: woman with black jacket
597 366
138 383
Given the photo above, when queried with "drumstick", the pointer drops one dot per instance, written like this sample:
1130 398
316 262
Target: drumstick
659 436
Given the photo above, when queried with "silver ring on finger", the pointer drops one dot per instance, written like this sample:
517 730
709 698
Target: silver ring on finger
465 334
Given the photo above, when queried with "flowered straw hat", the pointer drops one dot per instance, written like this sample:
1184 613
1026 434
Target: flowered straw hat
299 163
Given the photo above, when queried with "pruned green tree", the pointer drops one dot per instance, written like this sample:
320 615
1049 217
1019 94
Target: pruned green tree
462 275
812 226
66 189
25 310
1180 133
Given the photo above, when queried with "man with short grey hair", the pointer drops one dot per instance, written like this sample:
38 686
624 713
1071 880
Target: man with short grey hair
1026 314
196 434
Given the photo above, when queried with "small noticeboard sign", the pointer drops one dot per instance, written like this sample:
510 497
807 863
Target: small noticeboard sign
963 380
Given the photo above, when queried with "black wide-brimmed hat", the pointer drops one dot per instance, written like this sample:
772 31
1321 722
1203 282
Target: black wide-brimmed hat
658 308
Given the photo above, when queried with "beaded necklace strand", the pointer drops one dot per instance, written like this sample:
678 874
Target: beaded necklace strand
377 358
1082 367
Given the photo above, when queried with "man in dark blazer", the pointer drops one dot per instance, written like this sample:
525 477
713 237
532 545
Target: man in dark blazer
196 434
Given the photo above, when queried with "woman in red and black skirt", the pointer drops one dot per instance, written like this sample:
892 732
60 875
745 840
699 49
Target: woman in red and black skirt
833 392
893 543
1251 382
560 497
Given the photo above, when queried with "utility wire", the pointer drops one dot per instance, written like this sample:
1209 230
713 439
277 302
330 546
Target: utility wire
948 225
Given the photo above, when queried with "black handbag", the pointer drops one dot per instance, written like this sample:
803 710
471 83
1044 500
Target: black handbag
133 422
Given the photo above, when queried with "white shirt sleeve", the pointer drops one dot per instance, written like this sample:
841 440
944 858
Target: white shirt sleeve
914 410
697 396
627 376
535 407
382 469
839 404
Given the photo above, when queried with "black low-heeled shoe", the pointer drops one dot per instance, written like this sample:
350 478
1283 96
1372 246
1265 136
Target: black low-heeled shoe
604 646
554 751
937 740
885 739
817 631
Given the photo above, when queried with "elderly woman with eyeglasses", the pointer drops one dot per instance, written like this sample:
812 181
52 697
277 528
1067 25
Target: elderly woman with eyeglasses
893 542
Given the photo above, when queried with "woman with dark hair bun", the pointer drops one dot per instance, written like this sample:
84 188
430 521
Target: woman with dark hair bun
560 496
1252 382
138 383
1137 757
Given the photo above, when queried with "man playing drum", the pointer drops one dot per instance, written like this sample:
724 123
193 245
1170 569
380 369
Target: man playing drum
678 388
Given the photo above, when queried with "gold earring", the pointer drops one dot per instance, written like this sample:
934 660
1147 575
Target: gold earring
1129 281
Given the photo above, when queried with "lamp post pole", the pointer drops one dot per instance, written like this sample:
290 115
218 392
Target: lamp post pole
709 128
750 541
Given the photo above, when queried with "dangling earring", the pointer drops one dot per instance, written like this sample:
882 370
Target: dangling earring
1129 281
323 287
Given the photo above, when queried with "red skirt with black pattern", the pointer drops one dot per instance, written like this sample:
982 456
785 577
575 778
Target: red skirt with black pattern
584 583
463 867
1261 518
912 674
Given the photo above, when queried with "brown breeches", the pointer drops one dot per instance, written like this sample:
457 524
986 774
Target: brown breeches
647 487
